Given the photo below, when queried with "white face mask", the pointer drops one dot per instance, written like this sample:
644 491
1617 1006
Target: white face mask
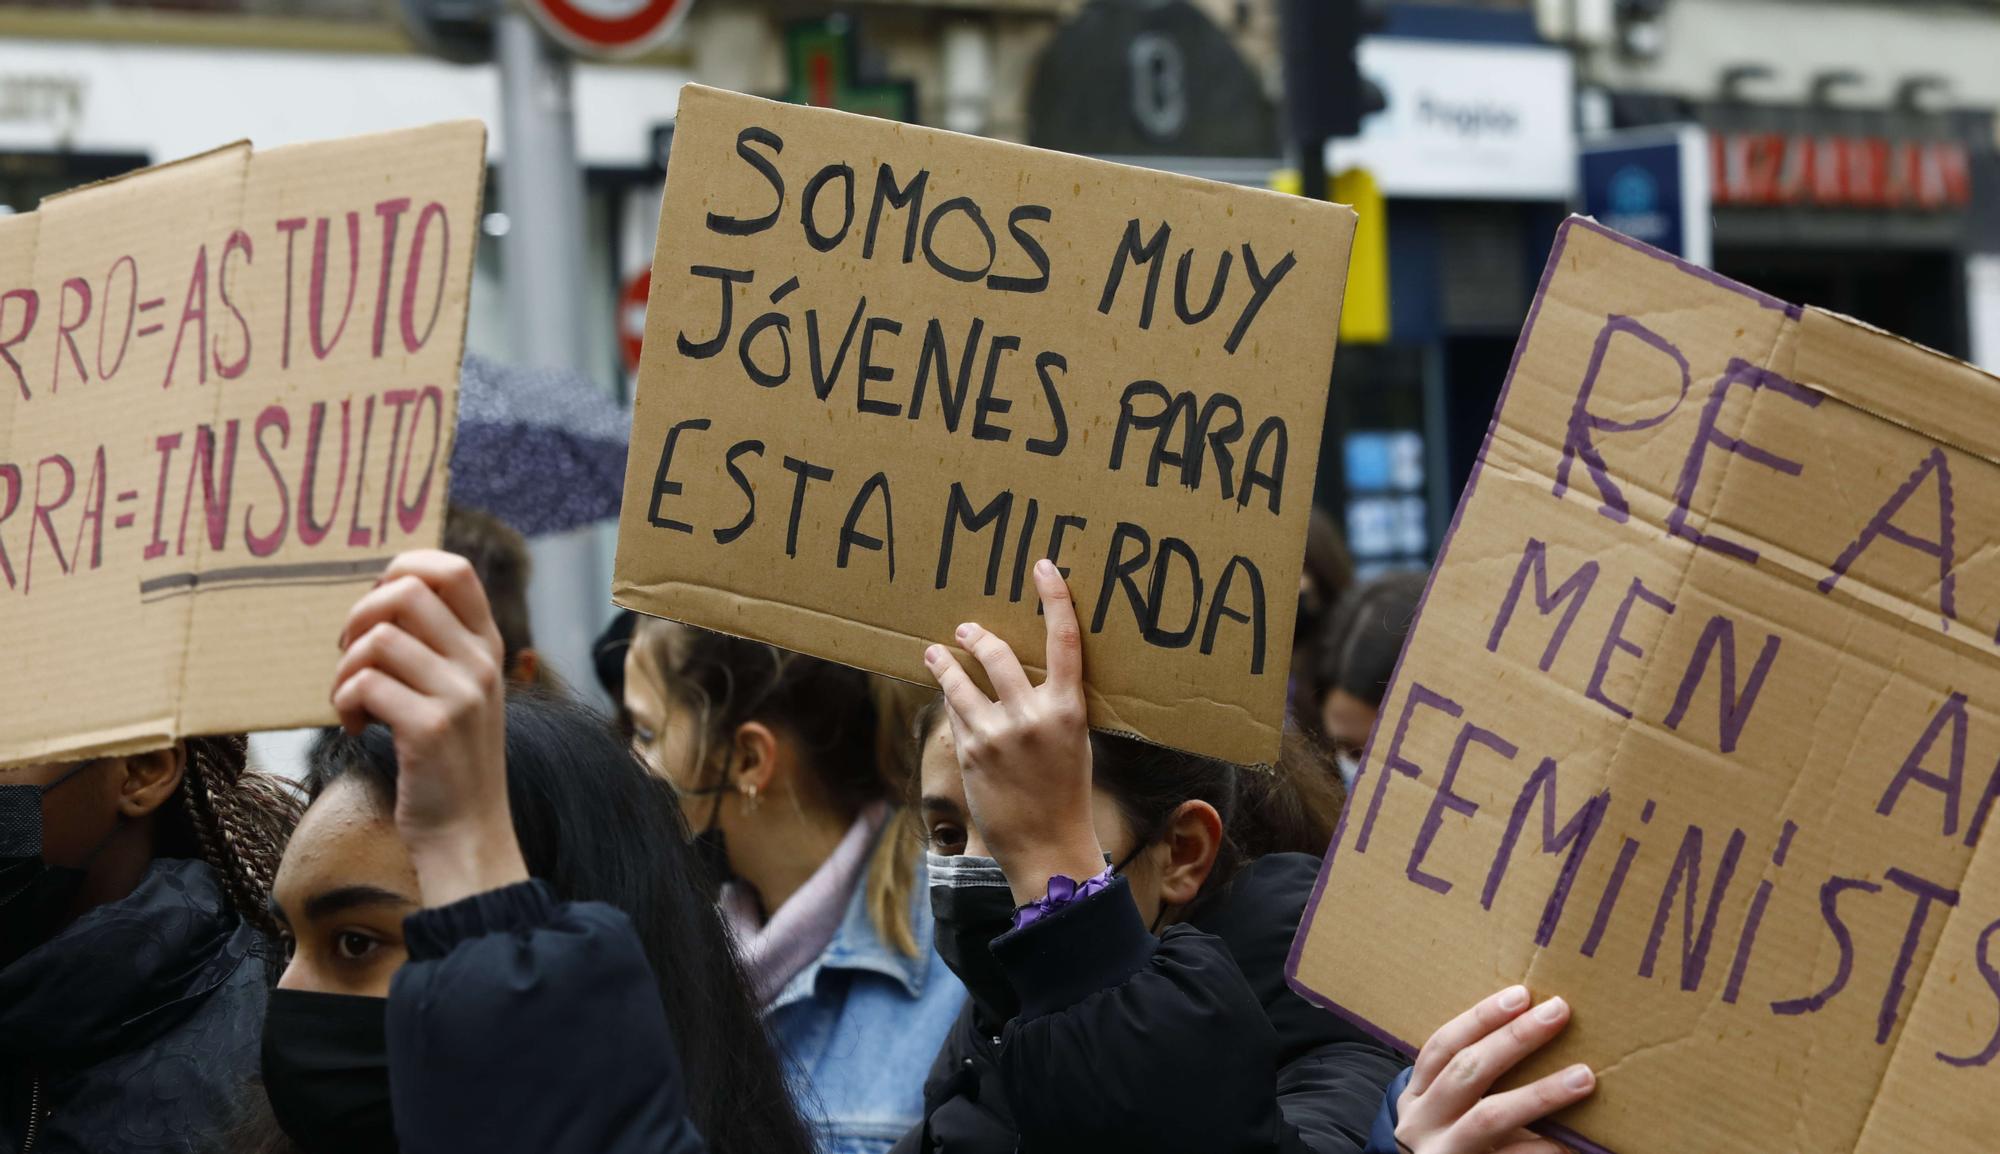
1350 768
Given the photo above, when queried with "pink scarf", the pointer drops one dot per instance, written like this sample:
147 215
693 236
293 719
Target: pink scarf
774 952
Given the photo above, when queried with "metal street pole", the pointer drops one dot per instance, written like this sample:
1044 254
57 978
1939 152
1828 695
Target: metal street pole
542 271
541 191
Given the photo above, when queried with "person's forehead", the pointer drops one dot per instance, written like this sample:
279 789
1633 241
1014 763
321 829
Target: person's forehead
1345 711
638 693
346 838
938 768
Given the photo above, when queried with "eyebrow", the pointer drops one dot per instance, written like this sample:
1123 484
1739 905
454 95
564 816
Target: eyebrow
344 898
942 807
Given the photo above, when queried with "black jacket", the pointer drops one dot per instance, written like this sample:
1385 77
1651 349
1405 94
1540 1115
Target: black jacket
1191 1041
523 1023
138 1025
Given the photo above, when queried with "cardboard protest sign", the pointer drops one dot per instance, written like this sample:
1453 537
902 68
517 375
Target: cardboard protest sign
227 393
1698 727
886 369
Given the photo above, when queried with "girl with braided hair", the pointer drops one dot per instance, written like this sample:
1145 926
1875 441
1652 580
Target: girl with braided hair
135 945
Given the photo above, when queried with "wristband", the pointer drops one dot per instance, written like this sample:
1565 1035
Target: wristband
1063 891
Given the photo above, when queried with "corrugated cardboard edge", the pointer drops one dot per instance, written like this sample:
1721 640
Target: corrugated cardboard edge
138 737
1843 357
1563 1134
149 170
1109 712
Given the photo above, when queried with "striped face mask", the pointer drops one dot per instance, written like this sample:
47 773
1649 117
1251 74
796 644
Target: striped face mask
973 904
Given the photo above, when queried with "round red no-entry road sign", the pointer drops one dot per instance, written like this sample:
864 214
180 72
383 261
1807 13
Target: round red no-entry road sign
609 27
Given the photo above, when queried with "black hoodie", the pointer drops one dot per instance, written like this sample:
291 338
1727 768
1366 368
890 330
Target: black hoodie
136 1028
1187 1042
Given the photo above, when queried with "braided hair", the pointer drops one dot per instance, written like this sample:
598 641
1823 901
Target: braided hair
235 819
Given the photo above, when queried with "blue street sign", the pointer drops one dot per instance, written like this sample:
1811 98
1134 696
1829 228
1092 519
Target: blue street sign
1652 185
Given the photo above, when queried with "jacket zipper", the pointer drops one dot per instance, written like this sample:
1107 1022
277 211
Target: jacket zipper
34 1115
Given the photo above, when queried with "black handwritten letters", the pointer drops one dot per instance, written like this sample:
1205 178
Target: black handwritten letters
815 334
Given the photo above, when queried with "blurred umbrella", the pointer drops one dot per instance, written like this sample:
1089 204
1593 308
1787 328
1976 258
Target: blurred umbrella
541 449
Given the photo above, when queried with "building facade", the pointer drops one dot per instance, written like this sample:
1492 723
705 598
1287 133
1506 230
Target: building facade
1466 172
1847 149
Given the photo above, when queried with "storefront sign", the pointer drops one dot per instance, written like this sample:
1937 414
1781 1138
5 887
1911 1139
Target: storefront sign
1870 172
1652 184
50 99
1147 79
1469 121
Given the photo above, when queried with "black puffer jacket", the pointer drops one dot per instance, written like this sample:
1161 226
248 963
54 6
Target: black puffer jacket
1191 1041
137 1027
526 1025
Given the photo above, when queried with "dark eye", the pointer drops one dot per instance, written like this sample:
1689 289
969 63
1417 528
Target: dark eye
642 735
947 839
352 946
287 946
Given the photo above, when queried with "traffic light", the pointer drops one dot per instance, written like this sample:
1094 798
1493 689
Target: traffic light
1326 94
460 31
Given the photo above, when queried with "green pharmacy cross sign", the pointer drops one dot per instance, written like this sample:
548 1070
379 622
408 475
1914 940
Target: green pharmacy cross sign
820 65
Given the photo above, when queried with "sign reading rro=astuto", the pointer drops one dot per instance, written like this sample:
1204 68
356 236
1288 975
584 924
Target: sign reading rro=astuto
227 390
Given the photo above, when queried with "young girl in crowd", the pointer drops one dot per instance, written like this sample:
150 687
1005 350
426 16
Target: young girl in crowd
1363 637
776 757
134 954
1125 953
1325 577
438 999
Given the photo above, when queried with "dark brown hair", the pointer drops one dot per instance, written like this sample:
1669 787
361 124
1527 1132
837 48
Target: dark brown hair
596 826
233 818
834 714
499 555
1290 808
1329 572
1365 636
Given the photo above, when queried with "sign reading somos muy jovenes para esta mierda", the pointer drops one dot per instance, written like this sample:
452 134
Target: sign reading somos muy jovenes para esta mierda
887 368
1697 728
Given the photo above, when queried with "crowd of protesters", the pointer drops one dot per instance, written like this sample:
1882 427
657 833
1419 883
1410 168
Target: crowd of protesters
776 906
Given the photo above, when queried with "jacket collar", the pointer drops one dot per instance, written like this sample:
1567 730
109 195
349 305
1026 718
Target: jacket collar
857 948
117 972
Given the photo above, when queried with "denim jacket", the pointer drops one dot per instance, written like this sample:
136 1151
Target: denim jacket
860 1026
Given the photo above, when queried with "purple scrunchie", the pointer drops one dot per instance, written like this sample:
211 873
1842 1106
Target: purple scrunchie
1063 890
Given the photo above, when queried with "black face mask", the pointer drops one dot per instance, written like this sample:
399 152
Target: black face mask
972 905
326 1071
35 896
711 849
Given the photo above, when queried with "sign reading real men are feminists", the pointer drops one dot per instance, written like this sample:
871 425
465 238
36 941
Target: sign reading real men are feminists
227 393
887 369
1698 727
